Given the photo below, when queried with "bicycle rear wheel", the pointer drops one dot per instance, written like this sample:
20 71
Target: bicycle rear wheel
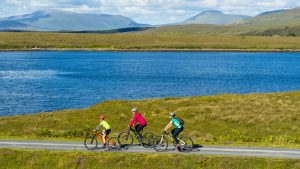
113 143
189 144
125 139
148 140
160 144
91 142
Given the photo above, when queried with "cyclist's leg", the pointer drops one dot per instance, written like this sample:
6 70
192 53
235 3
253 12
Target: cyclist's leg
138 129
175 133
105 135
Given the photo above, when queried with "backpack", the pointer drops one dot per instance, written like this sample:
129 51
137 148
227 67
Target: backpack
180 120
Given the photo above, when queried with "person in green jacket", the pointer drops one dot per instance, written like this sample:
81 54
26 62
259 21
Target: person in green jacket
106 129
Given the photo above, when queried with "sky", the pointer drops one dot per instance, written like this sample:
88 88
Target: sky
147 11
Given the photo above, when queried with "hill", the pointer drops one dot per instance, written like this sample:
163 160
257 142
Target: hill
279 22
273 19
58 20
216 18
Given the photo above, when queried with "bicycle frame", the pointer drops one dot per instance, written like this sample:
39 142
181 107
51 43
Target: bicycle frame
100 135
133 131
170 137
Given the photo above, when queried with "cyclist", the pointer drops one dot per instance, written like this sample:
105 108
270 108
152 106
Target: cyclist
178 128
106 130
137 117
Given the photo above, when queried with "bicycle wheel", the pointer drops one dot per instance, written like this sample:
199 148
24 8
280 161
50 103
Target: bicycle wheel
160 144
91 142
113 143
125 139
189 144
148 139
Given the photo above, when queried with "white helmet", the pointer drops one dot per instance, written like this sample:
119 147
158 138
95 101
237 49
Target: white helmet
135 110
172 114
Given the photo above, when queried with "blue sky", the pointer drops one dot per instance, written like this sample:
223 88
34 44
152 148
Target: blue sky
147 11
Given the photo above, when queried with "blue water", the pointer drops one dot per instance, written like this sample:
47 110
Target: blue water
32 82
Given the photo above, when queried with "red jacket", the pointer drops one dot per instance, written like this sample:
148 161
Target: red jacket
138 118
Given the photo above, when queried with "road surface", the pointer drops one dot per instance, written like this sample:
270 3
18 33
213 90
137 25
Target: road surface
205 150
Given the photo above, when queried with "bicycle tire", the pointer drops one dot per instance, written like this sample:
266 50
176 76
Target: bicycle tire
160 144
189 144
113 143
125 139
91 142
148 139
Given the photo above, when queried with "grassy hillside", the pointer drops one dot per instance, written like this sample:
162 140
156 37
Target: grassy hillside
281 31
177 39
277 18
46 159
270 119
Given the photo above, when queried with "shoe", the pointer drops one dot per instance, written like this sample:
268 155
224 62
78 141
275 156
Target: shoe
104 146
178 147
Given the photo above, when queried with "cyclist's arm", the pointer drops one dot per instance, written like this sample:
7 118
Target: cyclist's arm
98 127
134 120
168 126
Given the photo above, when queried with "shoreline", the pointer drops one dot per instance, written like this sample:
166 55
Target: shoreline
149 50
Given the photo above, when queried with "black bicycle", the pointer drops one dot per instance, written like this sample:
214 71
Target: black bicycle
161 143
125 138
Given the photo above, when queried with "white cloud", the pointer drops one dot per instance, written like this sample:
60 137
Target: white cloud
147 11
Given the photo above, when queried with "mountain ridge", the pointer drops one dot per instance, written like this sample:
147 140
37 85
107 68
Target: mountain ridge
59 20
215 18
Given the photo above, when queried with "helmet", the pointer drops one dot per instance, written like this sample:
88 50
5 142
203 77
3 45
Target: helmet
102 117
135 110
172 114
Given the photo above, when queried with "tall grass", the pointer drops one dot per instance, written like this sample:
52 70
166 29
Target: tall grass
271 119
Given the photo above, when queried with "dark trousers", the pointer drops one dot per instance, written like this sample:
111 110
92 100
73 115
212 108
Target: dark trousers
138 128
175 132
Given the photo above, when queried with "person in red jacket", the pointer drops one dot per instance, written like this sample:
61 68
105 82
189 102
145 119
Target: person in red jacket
138 118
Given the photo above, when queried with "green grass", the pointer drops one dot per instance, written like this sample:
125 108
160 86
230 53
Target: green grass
73 159
261 119
161 40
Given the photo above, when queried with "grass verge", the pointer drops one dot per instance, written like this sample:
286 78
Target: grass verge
11 158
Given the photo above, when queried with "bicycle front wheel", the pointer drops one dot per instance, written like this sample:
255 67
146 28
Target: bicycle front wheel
148 140
160 144
125 139
91 142
113 143
189 144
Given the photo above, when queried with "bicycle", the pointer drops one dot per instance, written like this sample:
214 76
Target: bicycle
125 138
91 141
161 143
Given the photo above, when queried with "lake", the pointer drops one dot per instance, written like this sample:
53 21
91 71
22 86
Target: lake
32 82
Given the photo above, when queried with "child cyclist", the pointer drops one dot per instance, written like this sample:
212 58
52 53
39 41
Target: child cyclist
178 128
137 117
106 129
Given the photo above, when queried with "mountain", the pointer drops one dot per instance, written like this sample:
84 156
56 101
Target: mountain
272 19
58 20
215 17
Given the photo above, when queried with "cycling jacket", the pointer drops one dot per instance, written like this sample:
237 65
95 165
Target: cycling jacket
138 118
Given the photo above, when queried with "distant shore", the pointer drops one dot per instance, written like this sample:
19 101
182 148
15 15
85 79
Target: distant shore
149 50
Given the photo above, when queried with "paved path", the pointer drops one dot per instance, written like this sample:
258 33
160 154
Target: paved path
215 150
